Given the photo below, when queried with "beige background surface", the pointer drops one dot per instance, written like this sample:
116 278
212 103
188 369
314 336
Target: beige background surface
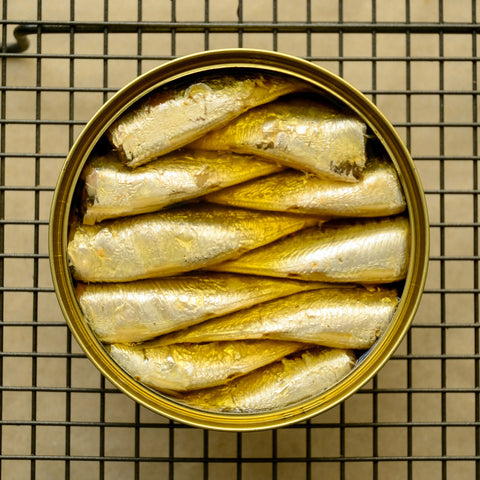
417 418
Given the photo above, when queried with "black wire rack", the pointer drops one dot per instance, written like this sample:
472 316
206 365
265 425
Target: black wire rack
418 61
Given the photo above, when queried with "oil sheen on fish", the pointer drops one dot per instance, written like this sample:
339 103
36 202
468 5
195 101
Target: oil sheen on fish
189 367
333 317
362 251
305 133
378 193
277 385
173 117
114 190
172 241
141 310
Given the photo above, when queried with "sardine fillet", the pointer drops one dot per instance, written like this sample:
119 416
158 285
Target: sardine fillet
141 310
189 367
172 241
114 190
278 385
167 120
377 193
363 251
333 317
305 133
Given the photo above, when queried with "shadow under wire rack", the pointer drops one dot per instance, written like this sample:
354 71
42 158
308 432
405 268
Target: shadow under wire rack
418 61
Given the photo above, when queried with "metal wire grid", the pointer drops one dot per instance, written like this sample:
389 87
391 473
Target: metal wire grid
418 418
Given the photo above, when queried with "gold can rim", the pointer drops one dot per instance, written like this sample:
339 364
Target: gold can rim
325 81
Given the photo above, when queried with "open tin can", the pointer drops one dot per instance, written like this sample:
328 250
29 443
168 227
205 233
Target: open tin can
239 61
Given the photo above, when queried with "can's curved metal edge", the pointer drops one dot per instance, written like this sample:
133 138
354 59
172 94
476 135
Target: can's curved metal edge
322 79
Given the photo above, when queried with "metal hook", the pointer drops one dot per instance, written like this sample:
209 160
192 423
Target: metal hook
20 33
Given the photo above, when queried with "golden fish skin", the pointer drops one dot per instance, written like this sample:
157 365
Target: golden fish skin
303 133
172 241
189 367
377 193
169 119
114 190
360 251
333 317
277 385
141 310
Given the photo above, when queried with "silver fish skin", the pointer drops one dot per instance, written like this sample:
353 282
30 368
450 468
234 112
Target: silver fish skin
304 133
277 385
169 119
377 193
190 367
172 241
360 251
334 317
113 190
138 311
